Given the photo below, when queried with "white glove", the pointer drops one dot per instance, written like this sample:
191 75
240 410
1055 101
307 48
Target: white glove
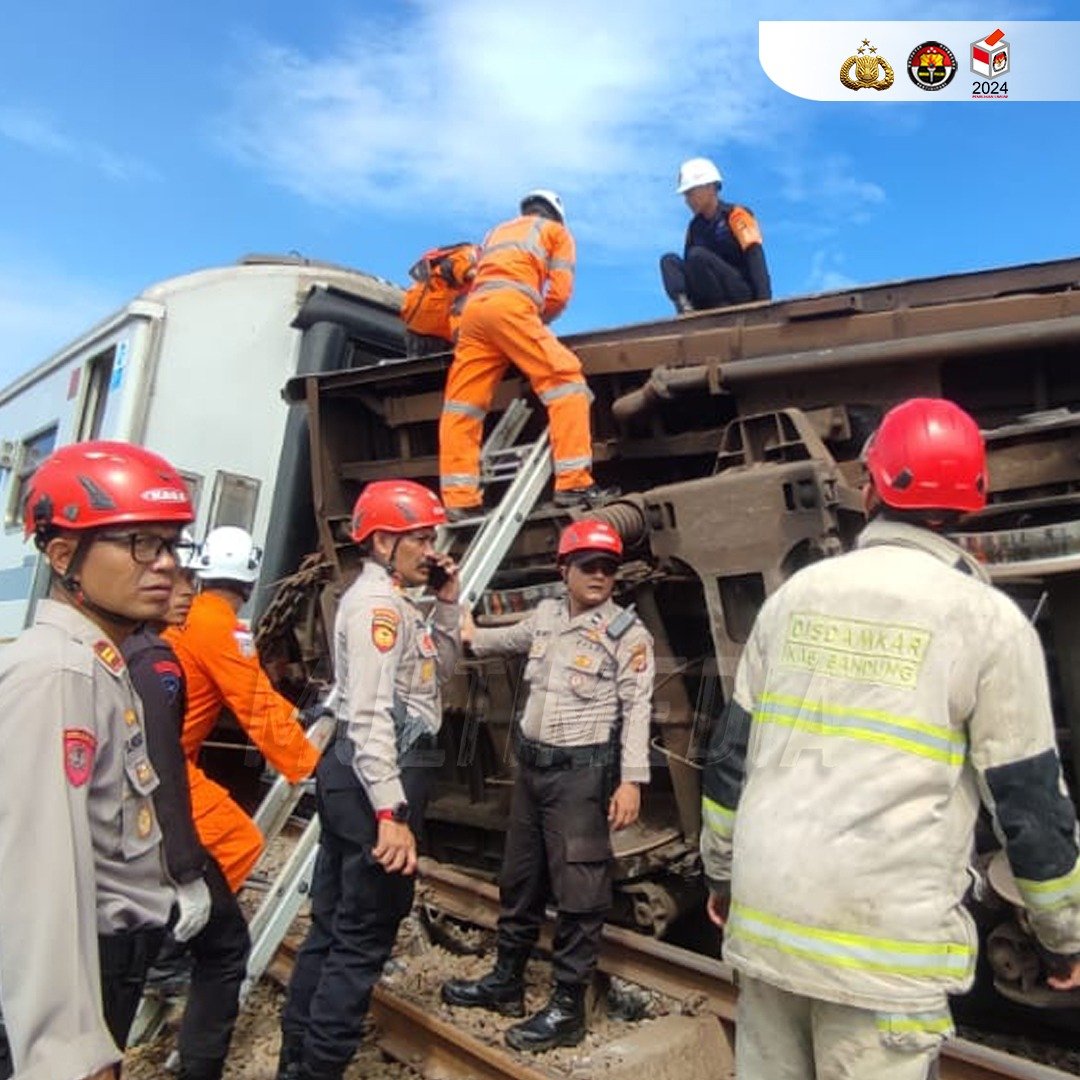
193 900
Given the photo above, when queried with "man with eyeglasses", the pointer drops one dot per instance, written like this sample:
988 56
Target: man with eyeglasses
391 656
85 897
222 669
590 672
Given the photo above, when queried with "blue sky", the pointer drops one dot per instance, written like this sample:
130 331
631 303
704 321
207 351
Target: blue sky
139 141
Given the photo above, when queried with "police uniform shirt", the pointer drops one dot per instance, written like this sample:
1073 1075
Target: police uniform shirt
582 680
391 660
80 847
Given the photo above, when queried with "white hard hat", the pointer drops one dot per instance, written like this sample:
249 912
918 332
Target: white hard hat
695 172
544 195
228 554
187 552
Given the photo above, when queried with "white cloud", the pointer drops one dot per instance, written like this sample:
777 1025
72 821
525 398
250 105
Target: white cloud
465 105
35 131
826 274
42 310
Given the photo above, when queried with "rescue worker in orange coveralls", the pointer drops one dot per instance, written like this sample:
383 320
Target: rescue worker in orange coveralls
222 669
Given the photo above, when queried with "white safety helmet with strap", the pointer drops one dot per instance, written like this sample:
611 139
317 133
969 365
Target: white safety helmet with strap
548 198
695 172
187 551
228 554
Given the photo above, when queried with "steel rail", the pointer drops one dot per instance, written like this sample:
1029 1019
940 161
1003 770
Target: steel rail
683 974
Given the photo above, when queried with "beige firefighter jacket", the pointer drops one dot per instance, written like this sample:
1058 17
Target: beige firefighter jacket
882 694
80 846
583 679
390 659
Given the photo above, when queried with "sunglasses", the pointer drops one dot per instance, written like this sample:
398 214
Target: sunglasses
607 567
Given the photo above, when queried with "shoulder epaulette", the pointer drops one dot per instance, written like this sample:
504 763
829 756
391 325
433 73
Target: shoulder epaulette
621 623
109 656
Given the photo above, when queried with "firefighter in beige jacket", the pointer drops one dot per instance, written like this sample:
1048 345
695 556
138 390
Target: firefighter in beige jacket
880 696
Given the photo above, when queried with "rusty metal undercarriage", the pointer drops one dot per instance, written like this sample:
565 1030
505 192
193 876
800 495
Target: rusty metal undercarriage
734 437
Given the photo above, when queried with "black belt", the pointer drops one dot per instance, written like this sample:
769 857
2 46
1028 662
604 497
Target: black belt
538 755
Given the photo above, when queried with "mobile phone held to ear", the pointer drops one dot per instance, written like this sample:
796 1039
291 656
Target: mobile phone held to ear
437 576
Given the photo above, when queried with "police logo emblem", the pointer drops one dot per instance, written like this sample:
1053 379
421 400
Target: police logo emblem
931 65
639 658
79 748
131 717
427 671
384 628
144 822
871 72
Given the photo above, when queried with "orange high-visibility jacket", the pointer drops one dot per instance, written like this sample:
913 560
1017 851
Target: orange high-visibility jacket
527 254
222 668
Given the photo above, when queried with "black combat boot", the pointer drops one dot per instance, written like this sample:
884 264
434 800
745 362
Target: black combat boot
501 990
290 1058
561 1022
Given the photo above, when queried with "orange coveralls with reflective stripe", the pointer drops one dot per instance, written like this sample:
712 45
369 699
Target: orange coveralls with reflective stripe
523 280
222 669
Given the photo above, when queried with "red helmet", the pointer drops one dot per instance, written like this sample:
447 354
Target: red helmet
588 534
395 506
90 484
928 454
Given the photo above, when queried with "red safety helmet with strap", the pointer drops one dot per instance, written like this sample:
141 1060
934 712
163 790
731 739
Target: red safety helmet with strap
589 535
928 454
395 506
92 484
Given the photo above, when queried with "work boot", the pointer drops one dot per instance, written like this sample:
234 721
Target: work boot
501 990
593 495
561 1022
290 1058
201 1069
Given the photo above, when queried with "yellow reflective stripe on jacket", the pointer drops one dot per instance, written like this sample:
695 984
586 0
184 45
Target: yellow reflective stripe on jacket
839 949
938 1022
869 725
719 819
1052 893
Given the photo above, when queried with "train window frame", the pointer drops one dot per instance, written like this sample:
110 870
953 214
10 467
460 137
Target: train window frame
233 490
26 462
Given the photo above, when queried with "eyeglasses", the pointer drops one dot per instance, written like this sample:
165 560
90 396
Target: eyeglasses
607 567
147 548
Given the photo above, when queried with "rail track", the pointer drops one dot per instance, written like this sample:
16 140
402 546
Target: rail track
434 1047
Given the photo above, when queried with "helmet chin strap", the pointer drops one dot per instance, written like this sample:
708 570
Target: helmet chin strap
71 584
388 563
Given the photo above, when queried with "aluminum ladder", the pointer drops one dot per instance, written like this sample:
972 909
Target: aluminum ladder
528 468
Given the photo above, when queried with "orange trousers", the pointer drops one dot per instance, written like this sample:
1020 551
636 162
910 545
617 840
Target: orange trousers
499 328
227 833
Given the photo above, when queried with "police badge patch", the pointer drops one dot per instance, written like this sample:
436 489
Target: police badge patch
639 658
79 748
384 628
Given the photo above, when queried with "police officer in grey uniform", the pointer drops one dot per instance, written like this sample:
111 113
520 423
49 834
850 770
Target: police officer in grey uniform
390 658
85 899
590 673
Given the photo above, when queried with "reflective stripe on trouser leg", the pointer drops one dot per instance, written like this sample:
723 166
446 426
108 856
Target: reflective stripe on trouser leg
571 444
784 1036
470 386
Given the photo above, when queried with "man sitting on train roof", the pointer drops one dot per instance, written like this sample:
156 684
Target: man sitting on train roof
723 260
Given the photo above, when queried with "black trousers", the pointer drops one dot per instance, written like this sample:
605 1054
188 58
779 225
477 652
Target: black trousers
123 960
356 908
558 845
220 953
705 278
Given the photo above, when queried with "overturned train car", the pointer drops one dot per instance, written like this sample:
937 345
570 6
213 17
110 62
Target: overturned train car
734 437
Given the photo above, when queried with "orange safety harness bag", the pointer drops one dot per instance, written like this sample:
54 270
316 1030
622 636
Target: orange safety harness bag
441 277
